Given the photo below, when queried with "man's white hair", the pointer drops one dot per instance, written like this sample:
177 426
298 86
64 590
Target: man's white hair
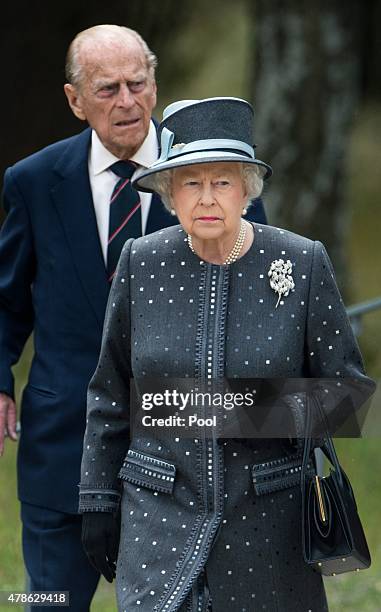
106 35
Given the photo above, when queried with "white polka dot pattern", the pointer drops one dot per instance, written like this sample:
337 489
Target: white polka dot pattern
189 504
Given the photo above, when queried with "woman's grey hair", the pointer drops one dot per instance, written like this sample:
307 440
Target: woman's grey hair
252 176
105 34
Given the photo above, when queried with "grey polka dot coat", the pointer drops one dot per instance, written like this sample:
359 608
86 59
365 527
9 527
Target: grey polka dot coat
195 536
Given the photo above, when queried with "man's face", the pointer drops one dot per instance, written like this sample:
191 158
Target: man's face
116 95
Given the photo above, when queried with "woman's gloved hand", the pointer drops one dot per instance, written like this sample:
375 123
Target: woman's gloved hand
100 540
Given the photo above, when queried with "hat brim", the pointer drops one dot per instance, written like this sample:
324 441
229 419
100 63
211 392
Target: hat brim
144 178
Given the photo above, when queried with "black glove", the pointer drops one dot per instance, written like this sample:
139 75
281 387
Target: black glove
100 540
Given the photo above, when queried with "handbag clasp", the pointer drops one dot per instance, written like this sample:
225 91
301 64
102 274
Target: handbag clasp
321 501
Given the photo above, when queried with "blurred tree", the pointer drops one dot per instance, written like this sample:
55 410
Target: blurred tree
306 87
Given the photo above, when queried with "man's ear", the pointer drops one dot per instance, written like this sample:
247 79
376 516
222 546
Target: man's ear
75 101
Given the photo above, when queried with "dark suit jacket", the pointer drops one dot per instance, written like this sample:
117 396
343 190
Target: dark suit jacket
53 282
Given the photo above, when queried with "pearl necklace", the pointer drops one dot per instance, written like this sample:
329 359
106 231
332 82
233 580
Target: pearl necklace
237 248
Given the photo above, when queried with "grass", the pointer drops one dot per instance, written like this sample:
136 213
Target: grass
11 564
361 591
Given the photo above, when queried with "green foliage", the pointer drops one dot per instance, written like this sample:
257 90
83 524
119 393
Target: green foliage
363 239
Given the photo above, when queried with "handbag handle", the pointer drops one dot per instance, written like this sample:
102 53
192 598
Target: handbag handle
328 446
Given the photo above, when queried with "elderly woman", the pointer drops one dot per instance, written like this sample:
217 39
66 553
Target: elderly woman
194 301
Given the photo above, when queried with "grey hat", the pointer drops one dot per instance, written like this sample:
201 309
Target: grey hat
199 131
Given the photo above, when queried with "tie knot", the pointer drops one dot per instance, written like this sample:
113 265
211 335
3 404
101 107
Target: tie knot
123 169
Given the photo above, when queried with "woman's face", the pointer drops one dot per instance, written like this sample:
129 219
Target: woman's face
208 199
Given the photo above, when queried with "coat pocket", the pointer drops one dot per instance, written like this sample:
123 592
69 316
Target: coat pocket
147 471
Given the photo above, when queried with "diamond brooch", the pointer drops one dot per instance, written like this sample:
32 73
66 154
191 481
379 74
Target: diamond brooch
280 278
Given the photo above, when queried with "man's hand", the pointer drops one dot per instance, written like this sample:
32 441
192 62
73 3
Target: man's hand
8 417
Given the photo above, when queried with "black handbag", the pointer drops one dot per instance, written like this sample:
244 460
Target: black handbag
332 535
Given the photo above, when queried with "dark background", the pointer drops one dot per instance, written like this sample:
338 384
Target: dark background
256 49
36 35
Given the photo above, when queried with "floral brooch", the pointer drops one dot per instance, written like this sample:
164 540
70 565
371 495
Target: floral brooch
280 278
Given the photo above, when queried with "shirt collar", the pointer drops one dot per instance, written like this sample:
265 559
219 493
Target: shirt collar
101 159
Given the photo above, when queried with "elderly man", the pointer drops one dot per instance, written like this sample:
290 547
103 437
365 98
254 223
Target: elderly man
70 209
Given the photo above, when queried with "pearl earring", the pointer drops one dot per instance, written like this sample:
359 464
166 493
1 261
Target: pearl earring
173 212
244 211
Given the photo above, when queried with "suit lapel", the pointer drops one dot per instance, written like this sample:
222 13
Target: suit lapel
73 200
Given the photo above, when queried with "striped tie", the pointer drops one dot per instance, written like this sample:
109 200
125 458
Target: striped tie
125 214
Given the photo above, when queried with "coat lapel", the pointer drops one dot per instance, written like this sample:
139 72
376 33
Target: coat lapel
73 200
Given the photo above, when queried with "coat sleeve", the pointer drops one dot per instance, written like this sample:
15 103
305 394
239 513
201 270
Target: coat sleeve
106 438
332 352
17 270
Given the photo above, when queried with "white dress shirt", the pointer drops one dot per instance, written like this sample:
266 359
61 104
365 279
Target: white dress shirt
103 180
